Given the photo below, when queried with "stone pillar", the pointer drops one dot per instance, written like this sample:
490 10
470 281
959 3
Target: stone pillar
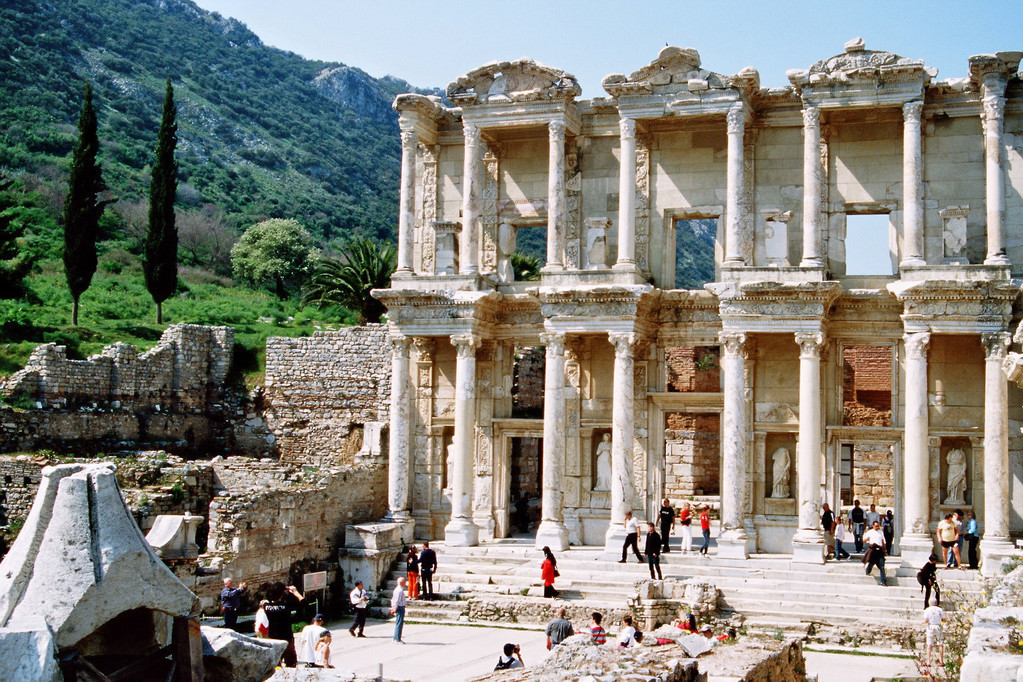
399 446
994 122
916 543
996 544
468 246
552 531
733 541
407 200
912 186
556 197
627 196
622 435
813 178
461 531
808 545
736 120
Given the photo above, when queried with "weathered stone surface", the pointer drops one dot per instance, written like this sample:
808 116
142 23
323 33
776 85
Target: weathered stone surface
27 652
232 657
173 537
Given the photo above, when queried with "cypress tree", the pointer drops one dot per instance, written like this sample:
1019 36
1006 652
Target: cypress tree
82 208
161 264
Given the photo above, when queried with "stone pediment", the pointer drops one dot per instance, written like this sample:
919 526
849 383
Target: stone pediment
522 80
677 70
860 65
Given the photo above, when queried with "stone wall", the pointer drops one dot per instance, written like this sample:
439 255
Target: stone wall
21 478
873 476
692 454
693 369
321 390
867 386
528 382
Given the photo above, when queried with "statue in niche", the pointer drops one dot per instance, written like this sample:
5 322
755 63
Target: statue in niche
780 471
956 460
449 466
604 464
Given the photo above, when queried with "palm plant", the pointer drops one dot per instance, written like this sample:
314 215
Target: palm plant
347 280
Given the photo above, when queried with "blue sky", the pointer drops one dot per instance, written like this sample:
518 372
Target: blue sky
431 43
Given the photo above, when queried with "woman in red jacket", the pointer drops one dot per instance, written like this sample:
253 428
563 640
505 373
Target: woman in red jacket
549 571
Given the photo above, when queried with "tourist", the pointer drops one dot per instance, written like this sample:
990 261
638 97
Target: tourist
947 534
928 579
559 629
838 531
323 651
282 601
412 572
627 635
828 523
261 625
972 534
934 616
598 633
888 529
685 519
960 521
230 602
856 517
686 622
548 572
512 658
360 603
705 528
427 567
873 539
653 551
631 538
310 638
667 519
872 516
398 610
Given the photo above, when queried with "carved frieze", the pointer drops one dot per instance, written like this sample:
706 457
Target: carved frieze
428 213
642 226
956 304
777 302
488 212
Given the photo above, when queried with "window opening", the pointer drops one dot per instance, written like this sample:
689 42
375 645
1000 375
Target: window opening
694 252
867 249
845 474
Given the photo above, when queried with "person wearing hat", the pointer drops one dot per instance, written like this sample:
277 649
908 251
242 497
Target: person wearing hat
310 637
512 658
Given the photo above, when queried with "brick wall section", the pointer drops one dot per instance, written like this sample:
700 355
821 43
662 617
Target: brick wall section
873 476
20 482
321 388
867 386
693 369
692 444
528 381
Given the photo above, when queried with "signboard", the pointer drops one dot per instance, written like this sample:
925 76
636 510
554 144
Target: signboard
314 581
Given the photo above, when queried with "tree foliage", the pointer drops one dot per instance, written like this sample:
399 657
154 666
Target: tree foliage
161 261
347 280
82 208
274 253
15 261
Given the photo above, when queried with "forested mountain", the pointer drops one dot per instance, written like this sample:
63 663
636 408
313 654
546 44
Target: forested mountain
263 132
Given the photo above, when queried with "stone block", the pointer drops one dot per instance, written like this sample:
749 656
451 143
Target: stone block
229 656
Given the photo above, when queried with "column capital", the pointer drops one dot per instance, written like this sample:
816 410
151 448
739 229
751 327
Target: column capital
466 344
627 128
554 341
400 345
409 140
471 132
733 343
916 344
556 131
996 345
912 111
624 343
424 345
811 116
994 105
736 117
810 344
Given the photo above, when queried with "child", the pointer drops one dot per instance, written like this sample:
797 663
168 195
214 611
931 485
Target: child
262 622
323 651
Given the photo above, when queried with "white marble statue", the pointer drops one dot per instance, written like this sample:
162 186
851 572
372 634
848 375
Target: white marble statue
449 471
956 460
604 464
781 473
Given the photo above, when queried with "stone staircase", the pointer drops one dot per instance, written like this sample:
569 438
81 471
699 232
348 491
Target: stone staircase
767 590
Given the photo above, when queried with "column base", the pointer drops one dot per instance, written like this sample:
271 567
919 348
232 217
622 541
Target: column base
625 266
552 534
993 553
913 261
811 263
552 267
614 538
915 548
405 522
461 533
733 544
997 259
808 547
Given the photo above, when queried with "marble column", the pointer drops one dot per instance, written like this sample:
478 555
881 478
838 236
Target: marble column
733 541
808 545
994 122
813 178
556 196
461 531
916 543
552 531
472 181
627 196
736 123
407 200
399 447
622 436
996 545
912 186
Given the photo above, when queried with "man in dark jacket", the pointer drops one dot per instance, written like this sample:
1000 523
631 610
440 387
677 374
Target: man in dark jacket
653 551
427 567
667 518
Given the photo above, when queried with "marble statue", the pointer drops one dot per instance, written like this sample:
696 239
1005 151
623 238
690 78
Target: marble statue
449 464
604 464
956 460
781 473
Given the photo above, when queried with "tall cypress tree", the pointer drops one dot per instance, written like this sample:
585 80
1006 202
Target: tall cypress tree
82 208
161 265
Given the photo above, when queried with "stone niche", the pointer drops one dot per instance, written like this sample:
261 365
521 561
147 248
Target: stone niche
772 443
953 235
776 238
596 243
447 247
946 500
597 453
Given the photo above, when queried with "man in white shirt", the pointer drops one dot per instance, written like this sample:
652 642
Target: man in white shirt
398 609
310 636
631 538
627 635
934 616
360 600
873 539
873 515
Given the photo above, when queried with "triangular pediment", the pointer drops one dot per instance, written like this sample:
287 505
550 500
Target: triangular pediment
677 70
517 81
857 64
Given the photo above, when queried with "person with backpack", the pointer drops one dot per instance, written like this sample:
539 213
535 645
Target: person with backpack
888 529
857 518
512 658
928 579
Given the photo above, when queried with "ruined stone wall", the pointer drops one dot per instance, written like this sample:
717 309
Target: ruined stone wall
21 478
693 369
692 454
527 385
867 386
321 390
873 475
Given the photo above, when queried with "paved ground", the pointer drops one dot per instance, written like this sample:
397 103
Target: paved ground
442 653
